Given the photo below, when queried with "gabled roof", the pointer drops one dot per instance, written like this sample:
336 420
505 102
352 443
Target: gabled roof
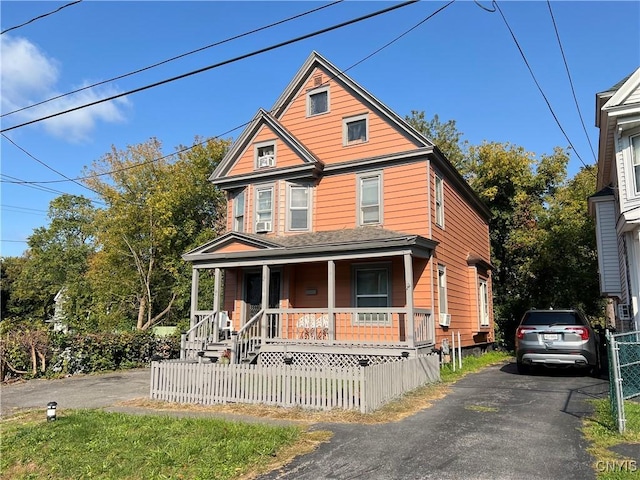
315 60
363 242
262 118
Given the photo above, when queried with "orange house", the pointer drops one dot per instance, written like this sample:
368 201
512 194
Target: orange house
350 237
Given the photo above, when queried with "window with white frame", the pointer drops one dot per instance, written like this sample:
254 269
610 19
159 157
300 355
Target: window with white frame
264 209
370 199
318 101
439 202
265 153
483 304
299 207
238 212
442 289
372 291
355 129
635 159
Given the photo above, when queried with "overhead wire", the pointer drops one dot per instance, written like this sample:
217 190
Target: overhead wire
157 64
216 65
573 91
39 17
428 17
535 80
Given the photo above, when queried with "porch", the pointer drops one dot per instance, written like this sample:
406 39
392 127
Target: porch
330 337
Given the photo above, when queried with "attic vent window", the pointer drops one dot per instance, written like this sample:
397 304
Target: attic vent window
317 101
317 80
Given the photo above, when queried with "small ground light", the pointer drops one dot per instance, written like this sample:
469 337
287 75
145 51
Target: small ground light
51 411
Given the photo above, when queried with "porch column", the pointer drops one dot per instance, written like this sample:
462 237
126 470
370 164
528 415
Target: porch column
408 278
331 298
195 286
265 301
216 301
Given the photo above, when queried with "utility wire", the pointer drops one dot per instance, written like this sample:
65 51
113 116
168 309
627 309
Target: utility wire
428 17
216 65
119 77
40 16
37 186
50 168
553 114
573 92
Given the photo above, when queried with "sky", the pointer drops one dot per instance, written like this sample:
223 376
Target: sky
461 64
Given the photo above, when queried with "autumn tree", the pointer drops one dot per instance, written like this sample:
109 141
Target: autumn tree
158 207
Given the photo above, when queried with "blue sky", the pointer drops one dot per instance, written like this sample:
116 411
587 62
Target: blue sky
462 64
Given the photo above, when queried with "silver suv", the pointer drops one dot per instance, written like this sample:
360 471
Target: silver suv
556 338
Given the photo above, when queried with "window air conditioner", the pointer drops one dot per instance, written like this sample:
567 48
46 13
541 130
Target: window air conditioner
266 161
445 319
263 227
624 312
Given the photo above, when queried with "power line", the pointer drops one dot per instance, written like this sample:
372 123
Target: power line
50 168
428 17
119 77
36 186
573 92
40 16
535 80
4 205
216 65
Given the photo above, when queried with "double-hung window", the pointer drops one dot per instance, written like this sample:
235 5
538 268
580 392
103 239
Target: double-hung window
483 304
238 212
264 209
635 159
372 291
298 208
318 101
439 202
355 129
370 199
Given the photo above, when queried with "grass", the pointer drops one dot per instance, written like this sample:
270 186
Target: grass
84 444
602 432
93 444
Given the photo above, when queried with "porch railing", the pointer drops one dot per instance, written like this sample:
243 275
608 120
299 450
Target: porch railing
388 326
205 329
247 340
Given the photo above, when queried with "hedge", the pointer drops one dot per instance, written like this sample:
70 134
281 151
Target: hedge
41 353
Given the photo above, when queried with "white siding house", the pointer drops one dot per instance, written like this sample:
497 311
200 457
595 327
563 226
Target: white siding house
616 205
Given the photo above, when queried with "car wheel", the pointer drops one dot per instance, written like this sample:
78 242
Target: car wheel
522 368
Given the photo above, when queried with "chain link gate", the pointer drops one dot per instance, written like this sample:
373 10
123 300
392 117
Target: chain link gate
624 372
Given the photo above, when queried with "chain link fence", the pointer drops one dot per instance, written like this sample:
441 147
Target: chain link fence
624 372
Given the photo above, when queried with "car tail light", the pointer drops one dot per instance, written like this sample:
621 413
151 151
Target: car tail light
583 332
521 331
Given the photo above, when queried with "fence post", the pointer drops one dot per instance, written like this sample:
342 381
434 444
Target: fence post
183 346
616 382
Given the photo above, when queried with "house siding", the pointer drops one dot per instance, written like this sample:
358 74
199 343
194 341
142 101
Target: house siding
607 243
322 134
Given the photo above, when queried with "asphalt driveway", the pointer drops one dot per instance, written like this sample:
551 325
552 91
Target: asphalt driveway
494 425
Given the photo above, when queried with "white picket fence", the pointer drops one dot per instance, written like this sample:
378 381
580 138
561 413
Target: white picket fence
356 388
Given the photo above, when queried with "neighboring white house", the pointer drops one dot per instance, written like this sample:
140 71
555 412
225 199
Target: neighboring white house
616 205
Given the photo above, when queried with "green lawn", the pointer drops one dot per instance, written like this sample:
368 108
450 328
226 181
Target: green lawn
601 430
85 444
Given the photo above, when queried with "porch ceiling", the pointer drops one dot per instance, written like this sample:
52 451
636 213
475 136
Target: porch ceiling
362 242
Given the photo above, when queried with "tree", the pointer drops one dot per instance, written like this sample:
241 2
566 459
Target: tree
158 207
445 136
57 259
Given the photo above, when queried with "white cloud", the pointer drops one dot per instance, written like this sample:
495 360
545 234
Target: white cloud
28 76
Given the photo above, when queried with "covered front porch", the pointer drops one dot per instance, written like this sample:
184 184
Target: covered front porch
349 303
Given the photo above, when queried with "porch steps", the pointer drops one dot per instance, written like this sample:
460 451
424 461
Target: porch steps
214 351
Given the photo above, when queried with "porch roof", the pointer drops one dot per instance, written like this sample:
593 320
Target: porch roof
350 243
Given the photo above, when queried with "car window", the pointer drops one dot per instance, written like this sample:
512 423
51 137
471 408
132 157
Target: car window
552 318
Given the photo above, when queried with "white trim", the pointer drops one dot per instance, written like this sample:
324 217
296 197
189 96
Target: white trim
257 212
443 304
484 319
439 200
290 208
235 226
382 318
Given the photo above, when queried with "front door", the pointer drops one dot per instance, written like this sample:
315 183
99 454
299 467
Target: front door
253 295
